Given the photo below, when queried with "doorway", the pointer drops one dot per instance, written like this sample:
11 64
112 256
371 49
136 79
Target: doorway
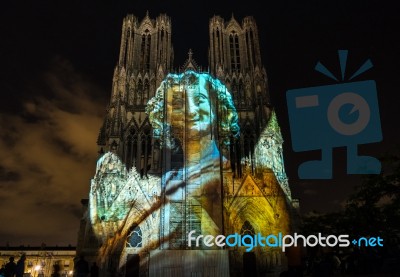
132 265
249 264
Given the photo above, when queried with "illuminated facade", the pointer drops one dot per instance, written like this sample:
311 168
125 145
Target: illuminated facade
40 261
189 151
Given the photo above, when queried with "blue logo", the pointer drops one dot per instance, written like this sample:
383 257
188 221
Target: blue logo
324 117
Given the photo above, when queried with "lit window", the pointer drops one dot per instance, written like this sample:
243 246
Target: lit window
135 238
234 50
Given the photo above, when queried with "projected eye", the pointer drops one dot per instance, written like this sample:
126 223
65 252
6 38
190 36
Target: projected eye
201 98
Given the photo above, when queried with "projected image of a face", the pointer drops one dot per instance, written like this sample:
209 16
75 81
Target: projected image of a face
193 102
199 113
192 116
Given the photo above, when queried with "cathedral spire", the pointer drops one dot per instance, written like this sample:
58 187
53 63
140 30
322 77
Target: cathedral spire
190 54
190 63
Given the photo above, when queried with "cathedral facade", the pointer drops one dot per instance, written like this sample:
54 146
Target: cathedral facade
187 153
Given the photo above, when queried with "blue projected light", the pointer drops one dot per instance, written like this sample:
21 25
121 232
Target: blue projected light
337 115
201 90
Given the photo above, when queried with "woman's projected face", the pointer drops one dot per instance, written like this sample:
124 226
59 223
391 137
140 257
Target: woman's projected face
192 100
199 113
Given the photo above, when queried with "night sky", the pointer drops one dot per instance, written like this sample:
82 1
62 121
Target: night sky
57 60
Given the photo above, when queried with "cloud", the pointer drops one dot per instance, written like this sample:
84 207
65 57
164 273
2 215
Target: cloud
48 154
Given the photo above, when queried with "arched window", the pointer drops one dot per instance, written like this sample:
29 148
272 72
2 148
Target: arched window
146 93
131 149
142 50
248 48
146 150
161 44
247 229
139 92
145 50
234 51
134 238
252 44
217 47
126 47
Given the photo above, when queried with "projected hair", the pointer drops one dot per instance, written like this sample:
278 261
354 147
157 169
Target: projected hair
221 101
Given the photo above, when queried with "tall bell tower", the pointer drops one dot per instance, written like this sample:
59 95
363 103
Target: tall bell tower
234 58
146 56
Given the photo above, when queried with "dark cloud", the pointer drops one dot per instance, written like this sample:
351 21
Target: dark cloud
8 176
48 153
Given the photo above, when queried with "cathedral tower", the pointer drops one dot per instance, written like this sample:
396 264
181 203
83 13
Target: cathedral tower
146 56
234 57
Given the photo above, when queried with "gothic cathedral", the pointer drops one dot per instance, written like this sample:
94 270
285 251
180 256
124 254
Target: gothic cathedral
191 168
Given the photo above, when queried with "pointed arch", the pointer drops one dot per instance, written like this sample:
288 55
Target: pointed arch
247 229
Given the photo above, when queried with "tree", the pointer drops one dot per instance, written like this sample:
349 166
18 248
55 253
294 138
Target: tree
373 209
375 206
